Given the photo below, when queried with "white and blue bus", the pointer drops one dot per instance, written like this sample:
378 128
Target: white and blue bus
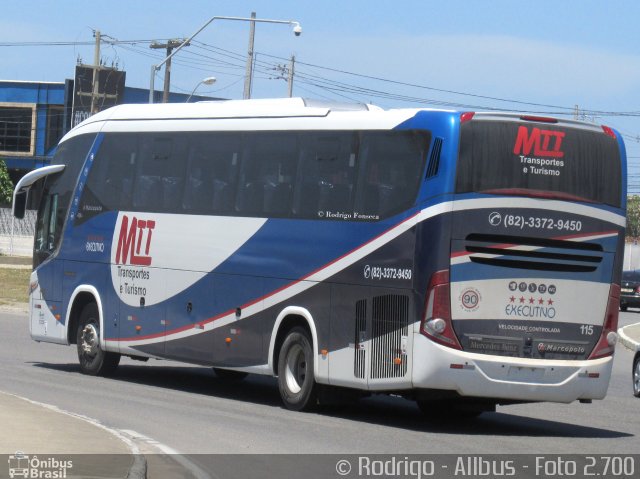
461 260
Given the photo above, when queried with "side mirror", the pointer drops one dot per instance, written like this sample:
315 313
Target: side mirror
19 203
24 184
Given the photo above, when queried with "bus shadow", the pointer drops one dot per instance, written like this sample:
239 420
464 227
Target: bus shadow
189 379
378 410
406 415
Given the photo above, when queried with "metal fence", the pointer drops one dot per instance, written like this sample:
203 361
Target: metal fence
10 225
16 236
631 256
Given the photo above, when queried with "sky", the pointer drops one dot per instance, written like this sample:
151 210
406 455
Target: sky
543 56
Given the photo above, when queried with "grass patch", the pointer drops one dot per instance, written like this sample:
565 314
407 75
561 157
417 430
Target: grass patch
14 285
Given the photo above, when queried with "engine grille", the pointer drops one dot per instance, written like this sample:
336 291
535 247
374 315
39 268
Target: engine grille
389 328
360 338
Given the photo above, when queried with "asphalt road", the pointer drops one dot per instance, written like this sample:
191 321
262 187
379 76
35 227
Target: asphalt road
188 409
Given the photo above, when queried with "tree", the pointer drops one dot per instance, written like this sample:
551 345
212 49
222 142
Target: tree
633 216
6 185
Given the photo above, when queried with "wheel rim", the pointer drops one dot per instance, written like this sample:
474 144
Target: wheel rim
90 342
296 369
636 378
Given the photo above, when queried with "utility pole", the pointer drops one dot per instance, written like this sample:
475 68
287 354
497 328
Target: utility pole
297 31
291 73
249 71
170 45
96 68
96 75
576 112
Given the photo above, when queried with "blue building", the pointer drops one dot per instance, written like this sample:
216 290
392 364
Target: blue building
33 118
35 115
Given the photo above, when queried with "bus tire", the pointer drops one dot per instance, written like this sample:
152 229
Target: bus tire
93 360
230 375
296 380
636 376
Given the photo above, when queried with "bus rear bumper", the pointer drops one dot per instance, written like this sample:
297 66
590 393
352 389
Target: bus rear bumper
518 379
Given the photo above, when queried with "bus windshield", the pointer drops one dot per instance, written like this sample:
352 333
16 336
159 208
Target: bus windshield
534 159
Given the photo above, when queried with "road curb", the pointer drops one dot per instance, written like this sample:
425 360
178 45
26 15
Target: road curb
15 308
138 469
625 337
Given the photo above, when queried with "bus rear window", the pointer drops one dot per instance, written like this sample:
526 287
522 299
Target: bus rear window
535 159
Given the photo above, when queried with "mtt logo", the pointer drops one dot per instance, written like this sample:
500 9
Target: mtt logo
131 240
542 142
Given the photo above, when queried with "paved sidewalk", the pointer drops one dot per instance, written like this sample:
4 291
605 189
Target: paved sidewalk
630 336
15 262
44 432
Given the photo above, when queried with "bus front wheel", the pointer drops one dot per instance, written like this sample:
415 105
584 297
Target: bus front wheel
296 379
93 360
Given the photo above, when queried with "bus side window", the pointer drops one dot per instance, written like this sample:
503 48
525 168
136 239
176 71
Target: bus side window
392 163
326 175
197 194
160 176
211 173
45 216
147 193
268 170
224 164
110 181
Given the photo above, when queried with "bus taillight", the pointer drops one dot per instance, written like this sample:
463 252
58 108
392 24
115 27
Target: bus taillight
436 322
608 131
467 116
539 119
609 337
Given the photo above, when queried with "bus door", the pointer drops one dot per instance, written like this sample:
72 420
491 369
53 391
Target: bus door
47 315
55 185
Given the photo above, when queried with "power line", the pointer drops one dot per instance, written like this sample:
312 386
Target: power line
309 74
336 87
113 41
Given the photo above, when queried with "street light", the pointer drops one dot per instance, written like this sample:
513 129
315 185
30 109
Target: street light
206 81
297 30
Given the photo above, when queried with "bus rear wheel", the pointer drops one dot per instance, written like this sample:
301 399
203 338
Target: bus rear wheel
296 379
93 360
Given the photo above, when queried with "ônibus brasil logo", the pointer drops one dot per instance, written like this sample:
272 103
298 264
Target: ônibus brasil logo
134 242
545 143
